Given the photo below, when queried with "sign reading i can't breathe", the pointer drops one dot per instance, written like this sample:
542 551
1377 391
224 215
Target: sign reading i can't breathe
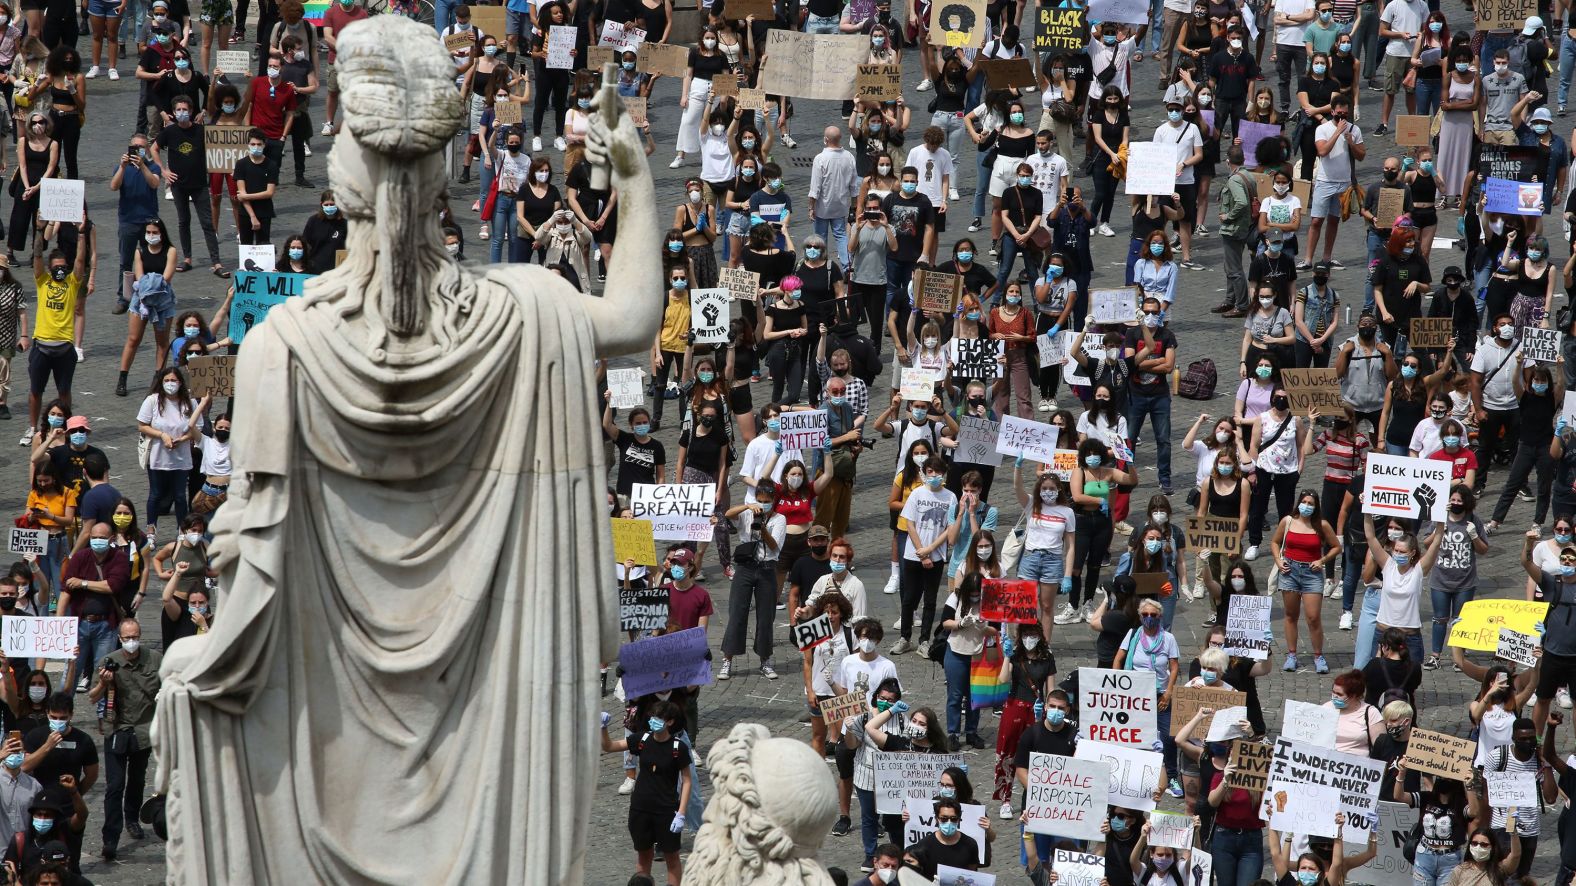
1117 707
1412 488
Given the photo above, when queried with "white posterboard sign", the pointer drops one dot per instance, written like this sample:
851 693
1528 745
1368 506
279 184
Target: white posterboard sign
1078 868
26 637
561 47
1151 168
234 61
1311 723
1034 440
1224 725
1248 626
1542 345
28 541
1389 864
1508 790
1303 808
917 383
626 388
256 257
1117 707
902 777
1568 409
1400 486
1093 348
61 200
1113 305
803 429
922 822
951 876
677 511
709 315
621 36
977 441
1052 350
1356 778
1171 829
1517 647
1135 774
1066 796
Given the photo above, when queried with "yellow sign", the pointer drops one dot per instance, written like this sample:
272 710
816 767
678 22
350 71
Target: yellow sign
1478 627
632 540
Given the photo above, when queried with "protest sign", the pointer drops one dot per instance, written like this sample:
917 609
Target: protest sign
1505 789
1116 707
1151 584
256 294
1412 130
1220 535
818 66
1226 724
742 284
1130 11
752 100
635 107
803 429
709 315
1303 809
1313 389
1093 350
233 61
598 57
1310 723
1410 488
460 42
977 441
1356 778
1062 467
959 24
211 376
976 358
508 113
1389 865
1391 205
1516 647
666 662
1118 444
1478 625
1542 345
256 257
1431 332
763 10
1065 796
27 541
1440 754
811 633
1568 408
878 83
1248 626
634 540
1114 305
677 511
1060 30
1051 351
1078 868
917 383
666 59
1512 197
1135 774
838 708
1010 73
1492 15
626 388
1031 439
1185 702
901 777
1200 867
642 609
936 292
621 36
922 821
1152 167
28 637
223 147
60 199
1251 764
489 20
1015 602
951 876
1512 163
1171 829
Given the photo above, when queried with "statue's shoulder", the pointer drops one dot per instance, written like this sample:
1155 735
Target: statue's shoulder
531 285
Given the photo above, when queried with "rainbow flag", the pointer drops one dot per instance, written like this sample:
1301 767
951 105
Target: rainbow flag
315 10
986 688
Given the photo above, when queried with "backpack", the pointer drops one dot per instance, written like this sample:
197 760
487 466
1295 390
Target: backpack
1518 56
1198 383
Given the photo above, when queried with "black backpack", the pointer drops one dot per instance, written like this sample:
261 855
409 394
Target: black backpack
1198 383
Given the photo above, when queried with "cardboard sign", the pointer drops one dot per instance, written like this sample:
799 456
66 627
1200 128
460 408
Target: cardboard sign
922 822
61 199
838 708
1492 15
1215 534
626 388
961 24
1011 73
878 83
460 42
1065 796
224 146
937 292
1356 779
634 540
811 633
1171 829
1114 305
1542 345
1512 790
902 777
23 637
232 61
642 610
977 441
635 107
1014 602
1308 723
1391 206
1116 707
1061 31
1480 621
508 113
1252 762
1512 197
1150 584
1410 488
1248 625
666 662
1313 389
916 383
1034 440
812 66
256 294
665 59
1135 774
1389 865
1517 647
763 10
620 36
1440 754
212 376
709 315
1185 702
1303 809
752 99
742 284
1413 130
976 358
490 20
599 56
27 541
1431 332
678 511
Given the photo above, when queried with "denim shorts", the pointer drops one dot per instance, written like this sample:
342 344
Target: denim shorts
103 8
1304 577
1043 566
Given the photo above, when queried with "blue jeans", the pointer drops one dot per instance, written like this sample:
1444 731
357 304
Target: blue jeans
1238 855
502 228
870 823
1157 25
1447 606
443 13
55 554
982 193
1492 43
1158 408
834 230
820 24
952 125
1428 92
95 639
1567 65
1367 629
1394 449
1168 745
1043 566
1433 870
957 670
1010 250
166 491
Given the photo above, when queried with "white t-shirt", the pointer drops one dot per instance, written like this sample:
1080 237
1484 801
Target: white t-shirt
1401 596
1425 438
826 660
776 527
1050 176
926 512
1336 166
857 675
852 588
931 166
1100 429
716 158
169 420
759 452
1406 16
1206 460
1187 138
1490 361
215 457
1291 35
1047 530
1280 209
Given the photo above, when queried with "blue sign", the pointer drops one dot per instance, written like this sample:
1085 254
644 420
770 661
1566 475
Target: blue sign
1512 197
665 662
256 293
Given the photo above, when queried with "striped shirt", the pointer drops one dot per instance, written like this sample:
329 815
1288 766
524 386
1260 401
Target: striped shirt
1342 455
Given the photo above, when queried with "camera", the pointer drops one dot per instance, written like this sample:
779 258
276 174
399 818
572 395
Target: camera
111 666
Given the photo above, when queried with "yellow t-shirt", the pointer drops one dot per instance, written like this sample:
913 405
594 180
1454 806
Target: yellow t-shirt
57 308
676 324
55 502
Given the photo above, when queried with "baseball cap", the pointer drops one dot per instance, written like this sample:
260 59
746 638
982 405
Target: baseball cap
1534 24
77 421
1542 114
54 853
819 531
1322 266
681 557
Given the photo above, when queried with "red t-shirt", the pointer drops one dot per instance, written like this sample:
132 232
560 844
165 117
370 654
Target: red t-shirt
338 18
687 608
271 105
796 507
1462 461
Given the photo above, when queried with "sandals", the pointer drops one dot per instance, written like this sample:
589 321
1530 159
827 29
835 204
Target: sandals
184 266
220 272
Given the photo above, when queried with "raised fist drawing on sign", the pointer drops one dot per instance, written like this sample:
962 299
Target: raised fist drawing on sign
1425 497
710 313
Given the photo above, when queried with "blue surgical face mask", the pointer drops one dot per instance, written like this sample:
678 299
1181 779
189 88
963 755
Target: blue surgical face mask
680 285
965 256
57 421
1224 470
838 401
919 415
1436 27
1157 249
1109 39
1153 545
748 171
838 567
1092 461
228 107
1540 128
1014 299
183 64
1338 703
973 315
1566 569
776 184
1450 441
1401 559
490 51
677 572
1118 825
1534 255
43 825
947 828
1540 387
656 724
947 792
1054 271
935 481
1056 716
1307 878
57 725
1025 180
1319 68
296 253
1173 115
255 150
642 429
675 246
99 545
1408 250
1209 675
909 188
629 66
13 761
79 438
812 252
1305 509
774 424
583 103
1016 118
1409 372
1427 166
706 377
1463 67
1563 538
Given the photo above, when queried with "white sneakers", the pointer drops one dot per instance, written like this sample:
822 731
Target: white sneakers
92 72
891 585
925 85
536 144
114 74
1065 614
1046 405
1105 230
952 195
1331 587
726 671
559 144
327 130
1564 698
677 162
1346 621
27 437
1251 554
628 787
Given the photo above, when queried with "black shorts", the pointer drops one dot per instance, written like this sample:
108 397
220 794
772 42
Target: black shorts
1189 195
844 755
51 358
740 402
649 830
1557 672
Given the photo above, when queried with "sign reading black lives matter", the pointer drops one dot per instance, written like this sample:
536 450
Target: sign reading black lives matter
976 358
1061 31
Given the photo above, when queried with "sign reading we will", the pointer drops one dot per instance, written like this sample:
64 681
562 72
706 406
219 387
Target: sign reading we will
257 293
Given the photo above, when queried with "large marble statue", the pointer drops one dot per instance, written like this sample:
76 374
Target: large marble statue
773 802
401 683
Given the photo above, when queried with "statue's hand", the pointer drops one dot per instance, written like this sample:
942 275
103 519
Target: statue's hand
620 143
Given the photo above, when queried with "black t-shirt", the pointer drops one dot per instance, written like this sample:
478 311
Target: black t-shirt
167 89
324 238
785 318
707 66
257 177
657 775
1148 382
818 290
1319 91
1278 273
806 571
637 461
963 854
1240 675
705 450
772 267
1039 739
1116 624
591 201
539 209
1383 674
183 154
976 279
910 219
1118 868
75 753
68 463
1022 206
1389 750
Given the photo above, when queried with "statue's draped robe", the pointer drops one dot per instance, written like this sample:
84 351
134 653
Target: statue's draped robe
397 685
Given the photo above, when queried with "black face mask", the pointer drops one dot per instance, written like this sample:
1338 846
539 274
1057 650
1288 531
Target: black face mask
1396 733
222 436
1366 333
1391 175
1526 746
1321 280
707 421
1280 403
58 273
976 401
7 603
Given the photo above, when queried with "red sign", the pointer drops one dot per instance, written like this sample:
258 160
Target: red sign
1016 602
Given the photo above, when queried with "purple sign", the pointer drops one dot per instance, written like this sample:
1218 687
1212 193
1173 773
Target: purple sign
1509 197
665 662
1251 134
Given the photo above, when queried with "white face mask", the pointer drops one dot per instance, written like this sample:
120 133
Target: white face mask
1239 584
193 538
930 343
37 693
1222 436
983 552
718 129
131 646
1049 496
866 645
886 875
1159 517
709 43
794 481
1481 853
919 460
172 387
1031 643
